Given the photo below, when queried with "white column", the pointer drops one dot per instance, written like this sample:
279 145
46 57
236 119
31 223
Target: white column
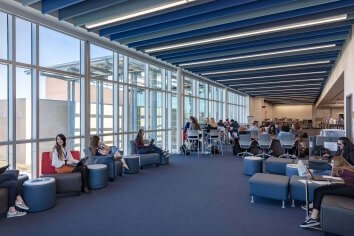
35 101
179 107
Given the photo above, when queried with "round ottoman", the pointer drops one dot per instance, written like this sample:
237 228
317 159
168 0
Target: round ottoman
291 169
133 164
252 165
39 194
164 160
97 176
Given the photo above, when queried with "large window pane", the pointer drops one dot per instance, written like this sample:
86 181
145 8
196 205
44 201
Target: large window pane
107 90
156 110
136 108
23 41
101 63
155 77
174 82
136 72
3 35
59 105
3 103
202 109
23 103
4 155
24 158
58 51
187 86
187 108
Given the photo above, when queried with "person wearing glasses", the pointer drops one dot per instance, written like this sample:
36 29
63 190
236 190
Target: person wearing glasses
340 168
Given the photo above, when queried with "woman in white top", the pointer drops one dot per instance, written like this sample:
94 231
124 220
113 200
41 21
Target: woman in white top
63 161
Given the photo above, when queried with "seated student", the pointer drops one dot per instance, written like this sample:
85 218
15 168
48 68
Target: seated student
284 129
272 131
62 160
234 126
143 148
194 125
253 126
8 180
212 124
101 149
221 124
340 168
277 128
346 149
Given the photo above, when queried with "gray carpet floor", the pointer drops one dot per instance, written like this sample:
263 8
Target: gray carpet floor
191 196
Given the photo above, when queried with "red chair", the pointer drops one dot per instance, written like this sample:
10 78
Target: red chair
46 163
65 183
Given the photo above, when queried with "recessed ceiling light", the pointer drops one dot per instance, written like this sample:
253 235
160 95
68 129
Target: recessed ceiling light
258 55
250 33
271 76
140 13
267 67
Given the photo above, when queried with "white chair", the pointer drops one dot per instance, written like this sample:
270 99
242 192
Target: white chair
214 137
245 141
287 141
264 142
193 140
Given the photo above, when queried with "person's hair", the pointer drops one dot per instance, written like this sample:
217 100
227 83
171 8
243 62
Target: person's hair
285 128
195 122
271 130
57 146
339 165
347 147
140 136
262 129
232 120
213 123
93 145
254 123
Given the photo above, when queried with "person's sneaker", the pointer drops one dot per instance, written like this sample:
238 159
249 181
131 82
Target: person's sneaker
22 206
16 214
310 223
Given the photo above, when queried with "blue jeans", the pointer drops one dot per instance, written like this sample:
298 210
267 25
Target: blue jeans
150 149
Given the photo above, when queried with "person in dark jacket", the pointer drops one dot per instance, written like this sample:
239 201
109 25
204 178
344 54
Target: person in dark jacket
8 180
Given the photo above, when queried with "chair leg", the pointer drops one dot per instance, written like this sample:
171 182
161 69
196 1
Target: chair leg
283 204
252 199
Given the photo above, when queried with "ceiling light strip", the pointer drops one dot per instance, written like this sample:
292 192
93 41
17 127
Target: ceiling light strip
251 33
272 76
280 86
267 67
279 82
259 55
140 13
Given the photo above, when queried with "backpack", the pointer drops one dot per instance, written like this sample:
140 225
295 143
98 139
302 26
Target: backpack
185 150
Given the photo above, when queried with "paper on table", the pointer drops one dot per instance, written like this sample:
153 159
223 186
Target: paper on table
331 177
332 146
315 182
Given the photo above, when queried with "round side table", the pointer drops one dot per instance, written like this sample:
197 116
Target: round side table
97 176
39 194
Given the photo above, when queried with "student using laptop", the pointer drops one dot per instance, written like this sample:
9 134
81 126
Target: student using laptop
143 148
341 168
8 180
64 162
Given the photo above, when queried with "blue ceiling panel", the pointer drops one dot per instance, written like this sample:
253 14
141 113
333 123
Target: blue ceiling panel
49 6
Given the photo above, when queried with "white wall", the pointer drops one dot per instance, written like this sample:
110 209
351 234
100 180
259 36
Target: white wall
256 110
301 112
344 65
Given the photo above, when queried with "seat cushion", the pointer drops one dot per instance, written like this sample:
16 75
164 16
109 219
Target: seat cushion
149 159
337 211
269 186
68 182
274 165
46 163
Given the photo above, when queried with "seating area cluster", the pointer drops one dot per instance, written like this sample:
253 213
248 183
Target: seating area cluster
324 182
63 171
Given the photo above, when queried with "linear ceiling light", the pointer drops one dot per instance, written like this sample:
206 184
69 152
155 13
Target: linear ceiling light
275 86
267 67
251 33
258 55
272 76
140 13
278 82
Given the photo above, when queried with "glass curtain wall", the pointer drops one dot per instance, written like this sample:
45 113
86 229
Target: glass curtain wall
237 107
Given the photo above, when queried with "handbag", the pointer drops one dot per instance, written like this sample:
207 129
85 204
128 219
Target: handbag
64 169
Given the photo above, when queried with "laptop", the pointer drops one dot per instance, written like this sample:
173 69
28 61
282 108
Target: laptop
3 169
80 163
319 178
